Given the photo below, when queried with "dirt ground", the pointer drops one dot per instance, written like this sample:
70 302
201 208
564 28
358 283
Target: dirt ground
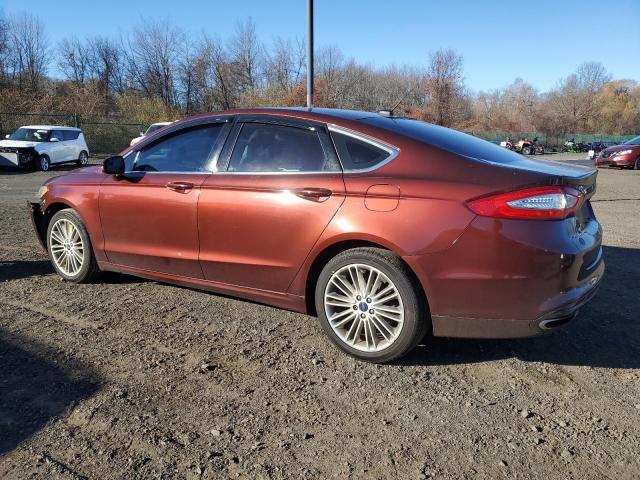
128 378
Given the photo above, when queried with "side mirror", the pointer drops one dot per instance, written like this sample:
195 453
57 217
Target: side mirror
54 139
7 135
113 165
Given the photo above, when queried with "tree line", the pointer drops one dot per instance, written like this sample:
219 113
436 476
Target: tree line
158 71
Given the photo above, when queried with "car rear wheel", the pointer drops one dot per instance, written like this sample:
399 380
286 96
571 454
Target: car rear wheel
370 305
70 248
83 159
526 150
43 163
637 165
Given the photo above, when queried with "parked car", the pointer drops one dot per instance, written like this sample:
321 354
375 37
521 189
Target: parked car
362 219
152 128
596 147
41 146
626 155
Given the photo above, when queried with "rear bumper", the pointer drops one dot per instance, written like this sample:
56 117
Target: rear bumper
511 278
513 328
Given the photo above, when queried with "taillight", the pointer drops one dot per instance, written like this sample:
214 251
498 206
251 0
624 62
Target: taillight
536 203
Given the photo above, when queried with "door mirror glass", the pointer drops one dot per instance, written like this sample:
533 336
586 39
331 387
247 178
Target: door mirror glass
54 139
113 165
7 135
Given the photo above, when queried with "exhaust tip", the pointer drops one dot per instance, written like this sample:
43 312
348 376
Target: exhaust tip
553 323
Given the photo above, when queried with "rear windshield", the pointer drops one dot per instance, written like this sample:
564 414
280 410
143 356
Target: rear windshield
445 139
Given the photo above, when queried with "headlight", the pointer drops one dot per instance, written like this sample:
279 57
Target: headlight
623 152
42 191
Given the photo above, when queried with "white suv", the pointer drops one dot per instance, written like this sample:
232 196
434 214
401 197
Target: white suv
42 146
152 128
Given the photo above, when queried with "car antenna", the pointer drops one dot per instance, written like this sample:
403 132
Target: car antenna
389 113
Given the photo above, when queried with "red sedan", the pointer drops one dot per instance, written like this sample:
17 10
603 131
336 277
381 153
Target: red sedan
626 155
386 228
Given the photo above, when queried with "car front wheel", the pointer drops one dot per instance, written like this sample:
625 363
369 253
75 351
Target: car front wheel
70 248
370 305
43 163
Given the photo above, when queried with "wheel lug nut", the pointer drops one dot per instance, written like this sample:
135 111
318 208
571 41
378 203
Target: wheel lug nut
368 300
362 315
358 297
372 311
355 307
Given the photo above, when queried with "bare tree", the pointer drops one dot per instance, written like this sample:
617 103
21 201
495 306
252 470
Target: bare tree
444 87
152 54
4 49
284 66
28 51
247 56
74 59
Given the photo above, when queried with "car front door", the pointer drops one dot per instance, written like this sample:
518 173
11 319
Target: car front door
148 215
278 187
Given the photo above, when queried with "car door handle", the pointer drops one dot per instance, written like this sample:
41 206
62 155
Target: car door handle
315 194
181 187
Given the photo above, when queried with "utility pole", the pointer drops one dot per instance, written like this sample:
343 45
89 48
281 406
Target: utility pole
309 53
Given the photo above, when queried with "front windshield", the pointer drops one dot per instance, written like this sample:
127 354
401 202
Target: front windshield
30 135
153 128
633 141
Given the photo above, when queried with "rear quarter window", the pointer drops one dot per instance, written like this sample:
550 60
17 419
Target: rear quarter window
356 154
70 134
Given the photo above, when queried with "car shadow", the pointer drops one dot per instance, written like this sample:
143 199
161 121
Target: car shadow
15 270
67 167
18 269
36 390
605 334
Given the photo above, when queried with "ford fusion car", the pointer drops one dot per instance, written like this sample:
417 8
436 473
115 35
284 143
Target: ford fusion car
626 155
386 228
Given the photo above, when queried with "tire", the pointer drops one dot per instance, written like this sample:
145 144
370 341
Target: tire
526 150
43 164
70 248
637 164
83 159
377 337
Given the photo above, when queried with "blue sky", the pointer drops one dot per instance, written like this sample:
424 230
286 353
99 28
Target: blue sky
539 41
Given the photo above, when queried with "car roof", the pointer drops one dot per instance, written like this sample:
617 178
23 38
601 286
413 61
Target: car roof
50 127
319 114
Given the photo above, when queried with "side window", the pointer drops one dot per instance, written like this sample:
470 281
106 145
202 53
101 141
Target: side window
357 154
263 147
70 134
184 151
59 134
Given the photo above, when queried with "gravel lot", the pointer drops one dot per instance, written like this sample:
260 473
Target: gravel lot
128 378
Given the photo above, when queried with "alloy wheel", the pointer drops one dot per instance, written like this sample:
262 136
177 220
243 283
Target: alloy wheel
83 158
44 164
364 307
67 247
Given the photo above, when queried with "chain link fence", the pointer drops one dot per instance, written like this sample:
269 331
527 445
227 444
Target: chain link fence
108 136
551 141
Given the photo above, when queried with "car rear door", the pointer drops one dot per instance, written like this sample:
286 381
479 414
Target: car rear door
57 149
72 152
148 215
279 185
